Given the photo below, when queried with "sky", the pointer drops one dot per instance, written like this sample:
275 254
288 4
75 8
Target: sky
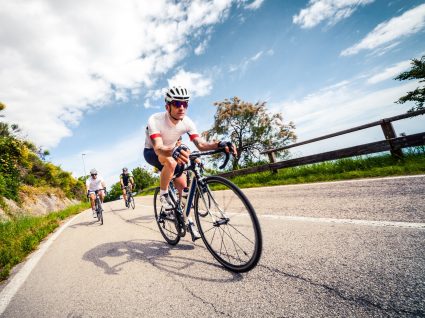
81 78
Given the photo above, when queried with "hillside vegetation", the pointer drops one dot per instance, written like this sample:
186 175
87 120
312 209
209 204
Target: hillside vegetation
24 170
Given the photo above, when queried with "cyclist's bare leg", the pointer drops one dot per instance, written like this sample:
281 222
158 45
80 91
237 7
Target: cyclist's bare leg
124 196
180 183
167 172
92 197
101 194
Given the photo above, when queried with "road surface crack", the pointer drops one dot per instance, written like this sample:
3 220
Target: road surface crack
217 311
194 295
358 300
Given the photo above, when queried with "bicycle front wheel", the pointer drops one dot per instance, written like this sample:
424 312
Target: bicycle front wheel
132 203
166 221
228 224
99 211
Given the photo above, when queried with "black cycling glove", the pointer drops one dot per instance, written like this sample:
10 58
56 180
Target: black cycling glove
224 143
177 151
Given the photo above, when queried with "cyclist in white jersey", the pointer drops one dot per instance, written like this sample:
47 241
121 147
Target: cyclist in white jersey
93 183
162 133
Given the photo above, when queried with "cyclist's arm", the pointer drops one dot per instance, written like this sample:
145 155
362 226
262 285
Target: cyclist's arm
204 145
160 149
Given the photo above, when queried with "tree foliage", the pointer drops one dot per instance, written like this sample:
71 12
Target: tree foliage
416 72
114 193
251 128
143 178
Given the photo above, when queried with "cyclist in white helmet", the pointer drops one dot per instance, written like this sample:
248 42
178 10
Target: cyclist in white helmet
162 132
93 183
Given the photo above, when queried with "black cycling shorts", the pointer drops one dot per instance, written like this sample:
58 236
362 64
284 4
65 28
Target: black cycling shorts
152 159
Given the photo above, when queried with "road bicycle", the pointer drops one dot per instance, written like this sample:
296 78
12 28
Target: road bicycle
224 216
130 199
98 206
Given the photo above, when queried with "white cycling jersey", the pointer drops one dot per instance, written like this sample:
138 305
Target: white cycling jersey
94 184
160 125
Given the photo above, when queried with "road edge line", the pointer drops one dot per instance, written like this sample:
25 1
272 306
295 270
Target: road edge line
19 278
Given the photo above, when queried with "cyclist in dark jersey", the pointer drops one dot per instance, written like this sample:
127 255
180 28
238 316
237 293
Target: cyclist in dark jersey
126 179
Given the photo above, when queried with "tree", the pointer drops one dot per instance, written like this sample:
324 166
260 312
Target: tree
5 129
143 178
114 193
416 72
250 128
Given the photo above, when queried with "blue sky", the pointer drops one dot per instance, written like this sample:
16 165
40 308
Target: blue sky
83 77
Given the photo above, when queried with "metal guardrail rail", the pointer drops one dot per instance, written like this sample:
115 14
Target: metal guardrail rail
391 143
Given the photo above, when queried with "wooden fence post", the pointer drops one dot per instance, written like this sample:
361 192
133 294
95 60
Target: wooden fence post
272 158
389 134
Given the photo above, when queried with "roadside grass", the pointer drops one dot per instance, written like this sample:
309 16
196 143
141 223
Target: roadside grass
343 169
383 165
21 236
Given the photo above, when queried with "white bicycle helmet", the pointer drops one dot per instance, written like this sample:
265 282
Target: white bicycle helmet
176 93
93 171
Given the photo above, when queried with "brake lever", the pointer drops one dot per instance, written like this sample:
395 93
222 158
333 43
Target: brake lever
226 160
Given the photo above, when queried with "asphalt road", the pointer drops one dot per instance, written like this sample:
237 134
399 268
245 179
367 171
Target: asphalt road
344 249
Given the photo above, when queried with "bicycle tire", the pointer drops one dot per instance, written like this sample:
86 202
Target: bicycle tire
99 211
127 200
204 214
168 227
238 221
133 204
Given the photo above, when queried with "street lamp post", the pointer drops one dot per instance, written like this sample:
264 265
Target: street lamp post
84 165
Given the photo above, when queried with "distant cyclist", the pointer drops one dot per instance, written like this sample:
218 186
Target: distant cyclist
162 133
93 183
126 179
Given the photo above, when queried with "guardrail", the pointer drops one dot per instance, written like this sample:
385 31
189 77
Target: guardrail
391 143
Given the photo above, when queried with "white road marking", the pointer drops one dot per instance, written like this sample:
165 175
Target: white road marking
13 286
409 225
345 221
339 181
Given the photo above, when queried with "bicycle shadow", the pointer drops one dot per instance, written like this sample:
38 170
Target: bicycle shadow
117 210
157 253
137 220
86 223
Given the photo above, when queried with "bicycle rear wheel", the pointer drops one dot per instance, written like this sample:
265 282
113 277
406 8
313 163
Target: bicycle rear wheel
166 221
230 228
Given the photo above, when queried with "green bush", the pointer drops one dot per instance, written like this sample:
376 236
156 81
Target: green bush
20 237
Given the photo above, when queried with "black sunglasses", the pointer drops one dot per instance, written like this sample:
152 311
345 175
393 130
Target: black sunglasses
178 104
94 174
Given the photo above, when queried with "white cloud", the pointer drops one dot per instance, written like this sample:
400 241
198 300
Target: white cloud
389 72
200 49
341 106
198 85
332 10
390 31
254 5
243 66
59 59
126 153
